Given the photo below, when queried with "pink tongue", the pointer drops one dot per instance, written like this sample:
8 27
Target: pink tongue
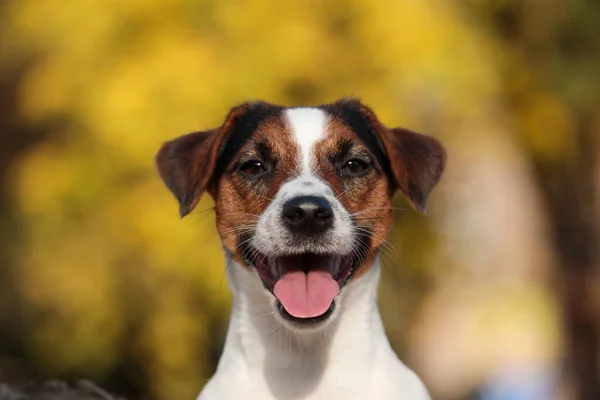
306 295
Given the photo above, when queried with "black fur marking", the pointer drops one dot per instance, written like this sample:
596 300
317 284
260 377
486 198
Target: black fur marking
265 152
242 130
349 112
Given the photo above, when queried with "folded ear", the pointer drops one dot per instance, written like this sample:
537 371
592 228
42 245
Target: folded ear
187 164
416 162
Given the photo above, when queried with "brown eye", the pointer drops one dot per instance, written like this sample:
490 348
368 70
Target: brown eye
253 168
355 168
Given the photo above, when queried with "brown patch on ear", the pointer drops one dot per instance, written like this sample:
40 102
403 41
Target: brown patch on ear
416 161
186 164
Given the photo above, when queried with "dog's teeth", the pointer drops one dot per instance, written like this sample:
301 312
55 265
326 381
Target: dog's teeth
336 265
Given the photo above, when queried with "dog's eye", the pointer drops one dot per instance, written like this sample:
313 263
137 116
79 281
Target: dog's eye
253 168
355 168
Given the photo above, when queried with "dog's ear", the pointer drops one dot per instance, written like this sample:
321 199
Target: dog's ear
416 163
187 163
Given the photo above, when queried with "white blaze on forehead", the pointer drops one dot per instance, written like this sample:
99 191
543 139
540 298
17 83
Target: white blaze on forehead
308 127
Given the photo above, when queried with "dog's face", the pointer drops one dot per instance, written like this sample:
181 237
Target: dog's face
302 195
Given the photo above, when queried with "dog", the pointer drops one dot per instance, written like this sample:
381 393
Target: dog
303 203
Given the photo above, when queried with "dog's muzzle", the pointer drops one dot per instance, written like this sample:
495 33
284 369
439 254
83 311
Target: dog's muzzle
304 251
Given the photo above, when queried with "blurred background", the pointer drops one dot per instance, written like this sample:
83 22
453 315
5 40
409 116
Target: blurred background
493 295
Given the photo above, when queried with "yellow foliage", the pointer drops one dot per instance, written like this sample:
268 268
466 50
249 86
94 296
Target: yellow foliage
107 261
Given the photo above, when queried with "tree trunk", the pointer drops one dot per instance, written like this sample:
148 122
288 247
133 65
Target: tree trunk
569 192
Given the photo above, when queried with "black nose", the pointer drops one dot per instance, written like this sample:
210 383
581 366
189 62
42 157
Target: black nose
308 215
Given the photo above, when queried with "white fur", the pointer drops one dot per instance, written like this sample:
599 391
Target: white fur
350 359
308 127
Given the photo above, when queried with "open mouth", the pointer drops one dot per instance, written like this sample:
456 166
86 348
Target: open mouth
304 284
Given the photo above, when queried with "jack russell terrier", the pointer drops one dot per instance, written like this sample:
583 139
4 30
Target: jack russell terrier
303 202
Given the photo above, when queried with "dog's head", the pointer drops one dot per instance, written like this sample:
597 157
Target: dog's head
302 195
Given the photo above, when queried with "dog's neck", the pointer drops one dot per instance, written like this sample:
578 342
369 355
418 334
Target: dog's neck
261 345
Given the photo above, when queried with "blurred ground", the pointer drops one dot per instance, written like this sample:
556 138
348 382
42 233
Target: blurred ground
493 295
55 390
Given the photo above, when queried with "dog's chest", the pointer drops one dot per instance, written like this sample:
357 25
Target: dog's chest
387 379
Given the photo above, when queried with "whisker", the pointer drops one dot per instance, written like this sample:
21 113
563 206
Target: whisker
377 209
264 197
238 222
345 192
252 256
201 216
265 314
385 244
363 252
359 250
198 212
382 218
389 259
368 233
239 213
228 259
243 242
273 328
237 228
